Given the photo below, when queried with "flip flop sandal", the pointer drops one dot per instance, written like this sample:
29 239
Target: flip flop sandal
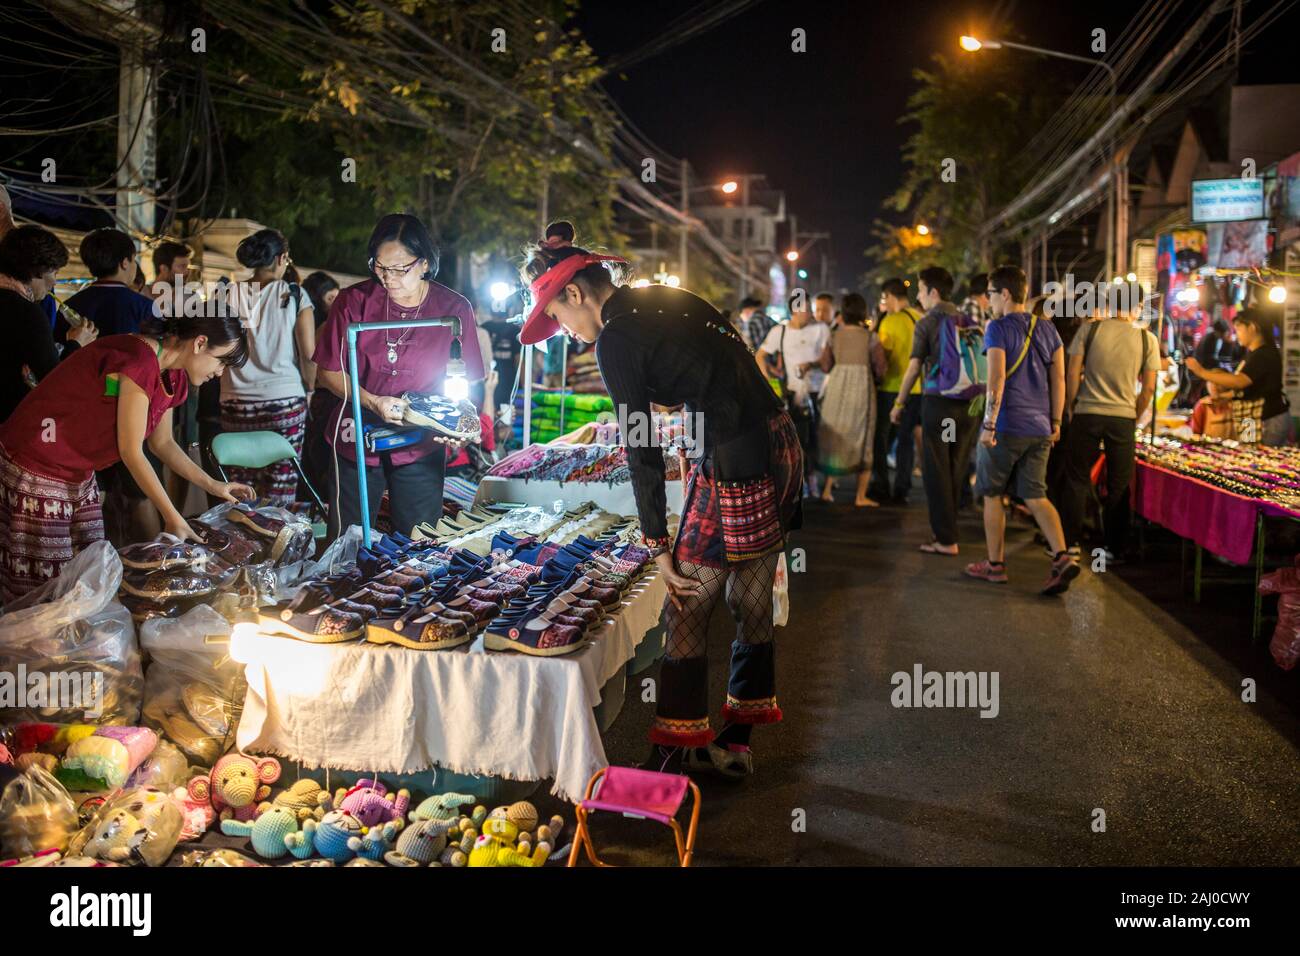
730 763
933 548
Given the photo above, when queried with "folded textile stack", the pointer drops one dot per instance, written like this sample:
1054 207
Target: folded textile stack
535 594
583 463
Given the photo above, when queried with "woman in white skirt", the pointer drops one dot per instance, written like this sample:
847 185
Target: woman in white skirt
848 405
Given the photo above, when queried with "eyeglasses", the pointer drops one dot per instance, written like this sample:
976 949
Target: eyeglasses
396 272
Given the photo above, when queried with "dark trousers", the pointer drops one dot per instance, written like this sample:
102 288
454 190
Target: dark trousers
904 455
414 492
948 432
317 454
1088 434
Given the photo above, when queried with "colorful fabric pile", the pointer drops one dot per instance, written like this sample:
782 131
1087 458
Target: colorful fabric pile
583 463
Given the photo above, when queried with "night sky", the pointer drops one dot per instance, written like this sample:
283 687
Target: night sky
823 125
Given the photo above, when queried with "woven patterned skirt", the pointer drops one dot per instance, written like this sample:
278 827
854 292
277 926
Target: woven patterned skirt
277 483
43 523
729 522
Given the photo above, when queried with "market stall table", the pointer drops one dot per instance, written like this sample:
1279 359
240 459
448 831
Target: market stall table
1217 520
359 706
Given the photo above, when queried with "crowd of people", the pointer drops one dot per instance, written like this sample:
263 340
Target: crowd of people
103 395
1007 401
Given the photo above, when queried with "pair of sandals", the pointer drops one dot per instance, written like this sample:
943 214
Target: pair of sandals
736 764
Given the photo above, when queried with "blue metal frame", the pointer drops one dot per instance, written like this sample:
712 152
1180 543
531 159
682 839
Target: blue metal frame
448 321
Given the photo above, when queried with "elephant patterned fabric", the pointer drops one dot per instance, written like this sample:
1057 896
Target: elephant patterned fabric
43 523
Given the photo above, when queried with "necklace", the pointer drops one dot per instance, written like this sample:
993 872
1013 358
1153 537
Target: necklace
401 339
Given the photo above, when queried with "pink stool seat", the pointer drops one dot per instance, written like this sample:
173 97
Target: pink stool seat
644 793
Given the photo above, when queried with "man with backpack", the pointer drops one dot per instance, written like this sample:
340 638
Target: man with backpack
1022 420
948 348
1108 358
895 330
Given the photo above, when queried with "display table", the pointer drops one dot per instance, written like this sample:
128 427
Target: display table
1226 524
359 706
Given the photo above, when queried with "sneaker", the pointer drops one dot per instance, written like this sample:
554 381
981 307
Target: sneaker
1064 570
1074 551
985 571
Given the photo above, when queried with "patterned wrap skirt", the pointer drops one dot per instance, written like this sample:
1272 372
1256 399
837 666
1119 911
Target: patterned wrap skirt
277 483
43 523
729 522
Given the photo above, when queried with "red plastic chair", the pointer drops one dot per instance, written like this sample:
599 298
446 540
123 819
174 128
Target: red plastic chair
641 795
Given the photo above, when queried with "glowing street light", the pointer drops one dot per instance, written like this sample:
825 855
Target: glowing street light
922 230
1277 294
730 186
971 44
792 256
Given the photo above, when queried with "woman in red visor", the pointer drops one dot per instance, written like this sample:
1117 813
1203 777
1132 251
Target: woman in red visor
670 347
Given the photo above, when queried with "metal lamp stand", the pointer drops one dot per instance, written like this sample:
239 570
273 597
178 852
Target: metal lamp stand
448 321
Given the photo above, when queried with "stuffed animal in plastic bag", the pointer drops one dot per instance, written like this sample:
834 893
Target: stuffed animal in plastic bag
236 785
275 833
117 838
136 826
371 803
198 814
305 797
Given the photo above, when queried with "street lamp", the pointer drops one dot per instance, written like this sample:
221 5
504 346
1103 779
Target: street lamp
973 44
729 187
923 230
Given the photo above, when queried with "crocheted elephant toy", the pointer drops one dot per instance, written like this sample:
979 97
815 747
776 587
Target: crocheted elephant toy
422 843
275 833
371 803
446 806
305 797
236 785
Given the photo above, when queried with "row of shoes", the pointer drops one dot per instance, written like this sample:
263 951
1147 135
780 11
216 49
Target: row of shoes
530 596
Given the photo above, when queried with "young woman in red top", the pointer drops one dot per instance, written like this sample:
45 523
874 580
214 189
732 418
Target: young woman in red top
96 408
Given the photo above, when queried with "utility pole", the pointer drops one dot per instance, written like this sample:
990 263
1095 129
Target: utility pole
685 231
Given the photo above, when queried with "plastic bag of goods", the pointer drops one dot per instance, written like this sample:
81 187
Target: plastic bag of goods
166 577
140 826
164 769
277 535
68 649
193 689
1285 645
90 757
36 814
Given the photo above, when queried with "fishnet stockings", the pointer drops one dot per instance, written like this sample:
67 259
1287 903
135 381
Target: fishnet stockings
748 590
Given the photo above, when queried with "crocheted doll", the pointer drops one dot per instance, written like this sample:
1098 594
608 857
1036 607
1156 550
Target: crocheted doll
506 840
371 803
305 797
236 785
423 841
333 834
270 833
446 807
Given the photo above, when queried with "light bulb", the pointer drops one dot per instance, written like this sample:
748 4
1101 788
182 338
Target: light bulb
456 385
240 637
1277 294
673 281
499 291
1131 277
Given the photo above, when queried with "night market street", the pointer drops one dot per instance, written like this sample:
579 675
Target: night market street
1108 699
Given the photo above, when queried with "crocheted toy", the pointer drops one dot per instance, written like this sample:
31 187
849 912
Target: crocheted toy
371 803
274 833
446 807
236 785
460 843
305 797
421 843
375 842
332 835
117 838
506 840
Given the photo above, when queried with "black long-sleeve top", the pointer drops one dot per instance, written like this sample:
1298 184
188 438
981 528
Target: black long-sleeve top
29 341
670 347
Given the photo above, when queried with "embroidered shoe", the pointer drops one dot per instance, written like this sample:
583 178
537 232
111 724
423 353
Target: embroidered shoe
276 532
986 571
322 625
543 640
458 420
428 632
233 546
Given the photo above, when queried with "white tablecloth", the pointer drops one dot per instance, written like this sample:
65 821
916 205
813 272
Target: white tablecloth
360 706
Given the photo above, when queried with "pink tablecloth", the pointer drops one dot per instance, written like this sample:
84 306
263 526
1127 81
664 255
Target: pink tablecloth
1217 520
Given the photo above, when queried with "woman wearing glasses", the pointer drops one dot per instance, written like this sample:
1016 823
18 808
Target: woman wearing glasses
403 263
269 392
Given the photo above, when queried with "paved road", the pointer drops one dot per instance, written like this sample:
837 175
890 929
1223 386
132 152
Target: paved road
1122 696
